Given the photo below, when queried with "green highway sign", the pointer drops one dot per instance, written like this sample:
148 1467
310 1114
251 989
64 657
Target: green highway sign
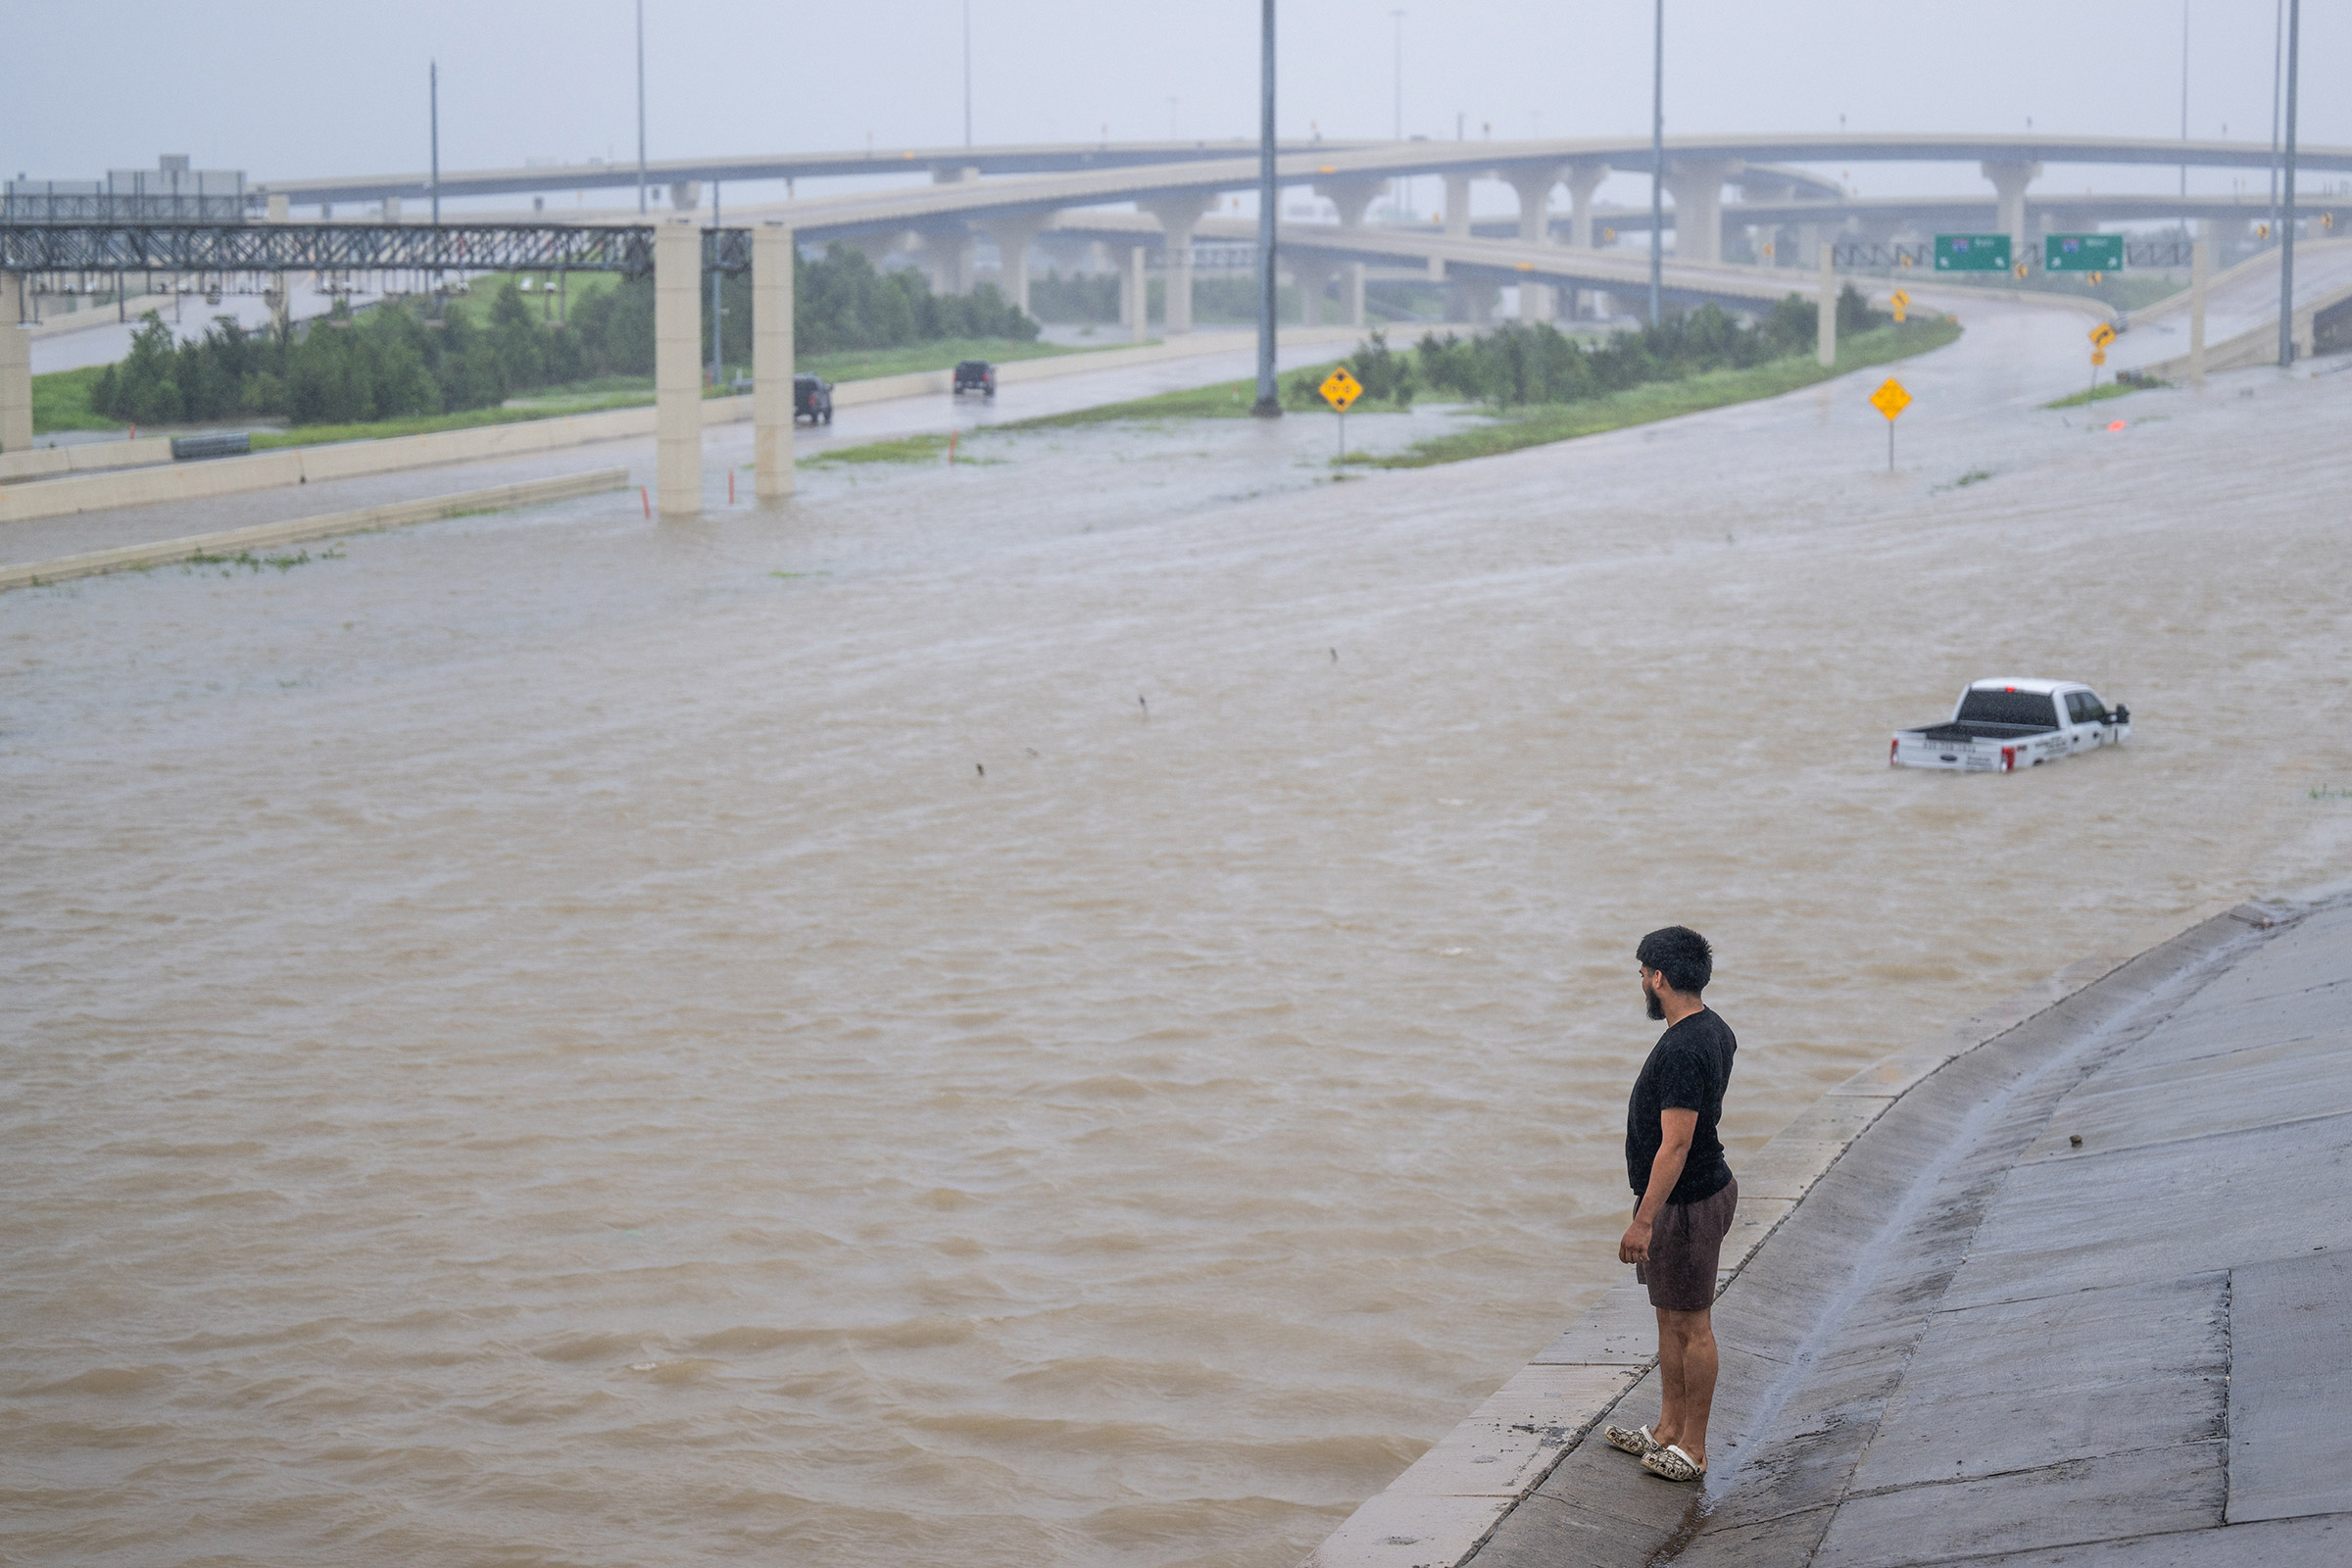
1972 253
2083 253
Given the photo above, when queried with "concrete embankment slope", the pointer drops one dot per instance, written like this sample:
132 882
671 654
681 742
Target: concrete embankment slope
2080 1291
2082 1295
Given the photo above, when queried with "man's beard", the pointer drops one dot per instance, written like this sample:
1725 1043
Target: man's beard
1657 1008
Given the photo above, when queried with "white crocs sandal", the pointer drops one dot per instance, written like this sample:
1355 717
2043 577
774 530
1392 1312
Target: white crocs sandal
1671 1463
1637 1441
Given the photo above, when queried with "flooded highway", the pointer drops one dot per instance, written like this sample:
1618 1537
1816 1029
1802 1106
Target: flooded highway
1072 1009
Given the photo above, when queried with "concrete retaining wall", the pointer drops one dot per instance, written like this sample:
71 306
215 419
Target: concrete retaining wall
231 541
2256 346
87 456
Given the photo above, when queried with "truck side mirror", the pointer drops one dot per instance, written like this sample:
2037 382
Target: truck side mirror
2119 715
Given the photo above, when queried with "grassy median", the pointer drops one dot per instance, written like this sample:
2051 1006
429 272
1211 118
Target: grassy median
1540 425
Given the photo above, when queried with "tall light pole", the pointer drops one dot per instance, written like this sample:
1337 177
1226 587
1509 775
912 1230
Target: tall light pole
2277 63
2286 195
432 78
1269 401
1405 184
967 73
2184 93
1657 157
641 106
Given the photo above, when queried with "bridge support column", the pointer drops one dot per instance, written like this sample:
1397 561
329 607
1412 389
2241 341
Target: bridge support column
2200 267
677 367
948 254
16 368
1824 342
1178 215
1135 293
1351 294
1697 187
1534 187
771 362
2009 183
1015 234
1315 277
1582 181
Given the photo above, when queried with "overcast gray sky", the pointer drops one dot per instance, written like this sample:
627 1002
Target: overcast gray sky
296 87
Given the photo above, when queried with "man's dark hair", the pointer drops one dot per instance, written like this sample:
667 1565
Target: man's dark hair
1682 955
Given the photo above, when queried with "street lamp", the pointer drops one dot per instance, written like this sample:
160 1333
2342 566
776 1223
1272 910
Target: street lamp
2287 194
641 106
1657 157
1269 401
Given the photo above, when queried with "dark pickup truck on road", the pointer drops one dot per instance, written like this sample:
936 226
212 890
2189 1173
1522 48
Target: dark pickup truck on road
812 399
976 375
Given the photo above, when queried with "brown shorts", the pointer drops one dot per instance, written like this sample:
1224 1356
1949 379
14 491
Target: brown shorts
1684 1246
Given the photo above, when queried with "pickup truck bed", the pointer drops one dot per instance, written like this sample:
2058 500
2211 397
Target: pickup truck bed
1999 726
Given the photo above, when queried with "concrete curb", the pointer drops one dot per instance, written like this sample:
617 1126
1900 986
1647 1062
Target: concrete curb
86 457
166 552
1450 1501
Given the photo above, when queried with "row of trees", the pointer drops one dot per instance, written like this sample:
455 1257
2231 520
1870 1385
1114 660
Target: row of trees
1517 365
393 361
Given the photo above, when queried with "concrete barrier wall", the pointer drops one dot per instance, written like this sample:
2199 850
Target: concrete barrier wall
75 490
87 456
2256 346
297 530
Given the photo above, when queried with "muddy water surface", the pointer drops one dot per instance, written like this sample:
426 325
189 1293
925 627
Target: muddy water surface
537 1040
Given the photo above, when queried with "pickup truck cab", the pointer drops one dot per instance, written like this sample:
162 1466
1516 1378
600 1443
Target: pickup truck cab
1999 726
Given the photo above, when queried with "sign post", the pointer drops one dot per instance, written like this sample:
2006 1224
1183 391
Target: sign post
1891 400
1339 389
2100 336
1972 253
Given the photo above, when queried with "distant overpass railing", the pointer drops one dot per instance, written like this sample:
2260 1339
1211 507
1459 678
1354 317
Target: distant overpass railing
228 255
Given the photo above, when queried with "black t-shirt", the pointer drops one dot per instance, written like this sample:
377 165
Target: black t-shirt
1688 1069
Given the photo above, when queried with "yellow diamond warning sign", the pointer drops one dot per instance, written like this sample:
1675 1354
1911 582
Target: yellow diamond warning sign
1890 399
1339 389
2101 335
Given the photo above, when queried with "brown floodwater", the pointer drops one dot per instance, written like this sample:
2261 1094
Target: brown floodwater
533 1039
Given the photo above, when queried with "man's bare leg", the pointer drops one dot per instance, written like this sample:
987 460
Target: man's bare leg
1687 1366
1669 1427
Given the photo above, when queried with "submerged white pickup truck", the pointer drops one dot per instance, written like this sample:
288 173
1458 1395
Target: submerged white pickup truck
1999 726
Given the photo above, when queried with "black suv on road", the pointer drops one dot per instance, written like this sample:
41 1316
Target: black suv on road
812 399
975 375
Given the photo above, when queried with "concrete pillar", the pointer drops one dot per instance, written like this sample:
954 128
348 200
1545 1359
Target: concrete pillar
16 368
1014 234
1351 294
1825 343
1315 277
1808 243
2200 265
948 255
1457 214
278 209
1582 181
1697 187
677 367
1352 197
771 362
1481 294
391 209
1135 293
1178 215
1534 187
686 195
2009 183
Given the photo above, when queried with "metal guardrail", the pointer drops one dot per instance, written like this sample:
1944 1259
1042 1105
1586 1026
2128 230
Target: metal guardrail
106 249
106 207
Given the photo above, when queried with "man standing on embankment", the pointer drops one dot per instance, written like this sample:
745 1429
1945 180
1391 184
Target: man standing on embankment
1685 1196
